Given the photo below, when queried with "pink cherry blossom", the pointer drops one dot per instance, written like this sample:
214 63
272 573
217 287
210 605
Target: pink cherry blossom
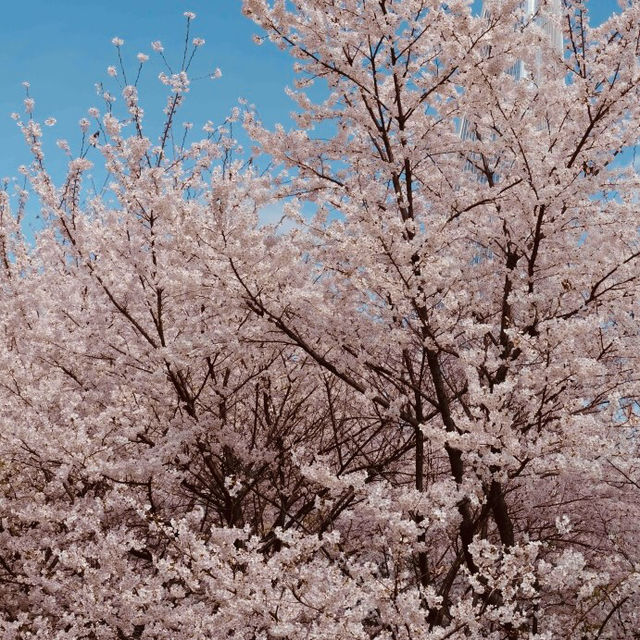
376 379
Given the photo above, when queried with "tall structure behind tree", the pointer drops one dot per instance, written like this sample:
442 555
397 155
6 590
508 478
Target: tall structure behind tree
548 13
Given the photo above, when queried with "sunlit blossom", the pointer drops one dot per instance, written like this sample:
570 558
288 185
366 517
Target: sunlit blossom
374 378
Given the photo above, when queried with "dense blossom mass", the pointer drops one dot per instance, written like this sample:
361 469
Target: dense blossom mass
406 412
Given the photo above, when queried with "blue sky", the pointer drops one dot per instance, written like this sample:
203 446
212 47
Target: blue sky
62 47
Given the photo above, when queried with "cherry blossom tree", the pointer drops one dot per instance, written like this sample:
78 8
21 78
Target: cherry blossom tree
408 415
